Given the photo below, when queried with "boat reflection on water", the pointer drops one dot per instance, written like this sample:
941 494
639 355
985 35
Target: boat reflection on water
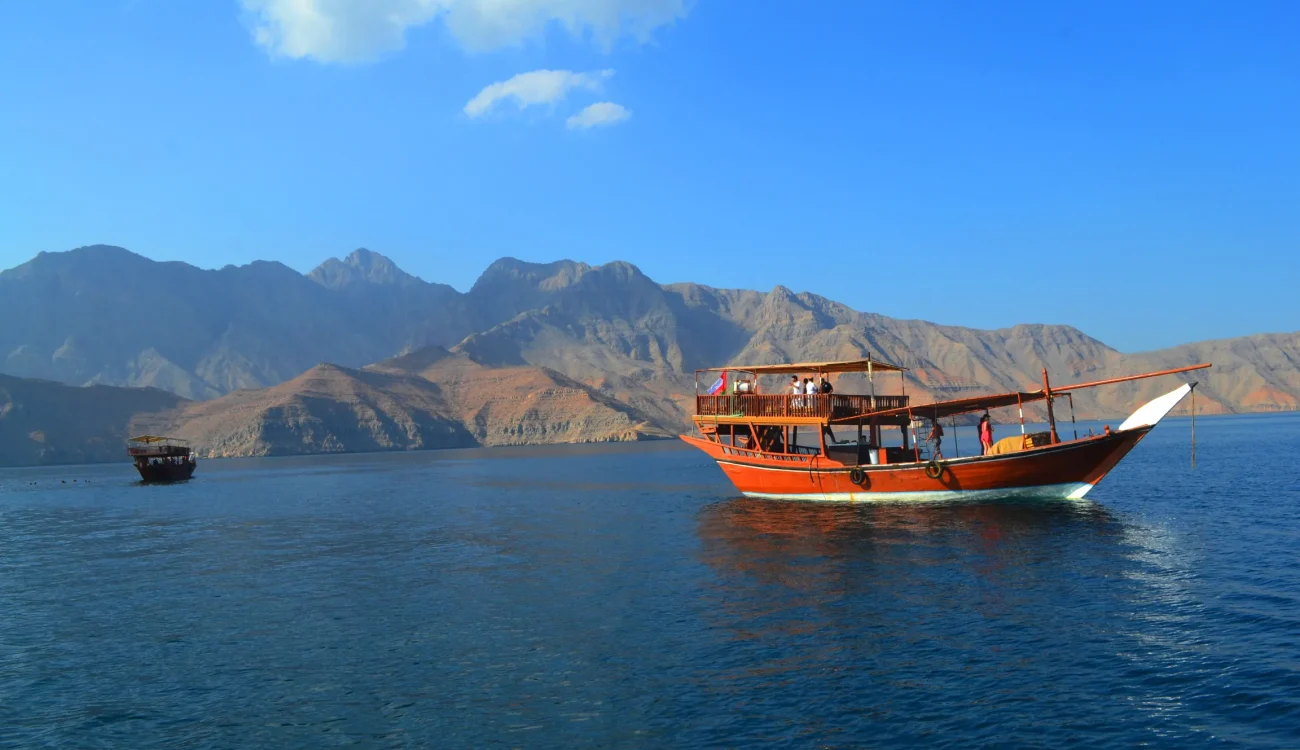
821 562
902 623
740 531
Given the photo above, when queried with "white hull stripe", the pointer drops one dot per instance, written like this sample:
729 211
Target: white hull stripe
1069 490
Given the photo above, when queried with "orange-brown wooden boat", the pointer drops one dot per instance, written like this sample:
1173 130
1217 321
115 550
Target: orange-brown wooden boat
162 459
793 445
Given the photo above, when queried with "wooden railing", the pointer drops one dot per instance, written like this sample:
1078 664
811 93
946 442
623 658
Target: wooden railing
817 405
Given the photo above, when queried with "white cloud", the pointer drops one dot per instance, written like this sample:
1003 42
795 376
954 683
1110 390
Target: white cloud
533 88
360 30
489 24
598 115
336 30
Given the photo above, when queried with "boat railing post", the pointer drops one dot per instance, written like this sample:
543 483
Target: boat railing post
1021 408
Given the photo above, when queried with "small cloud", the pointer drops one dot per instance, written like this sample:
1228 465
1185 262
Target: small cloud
534 88
597 115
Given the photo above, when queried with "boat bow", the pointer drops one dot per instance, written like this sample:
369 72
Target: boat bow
1155 410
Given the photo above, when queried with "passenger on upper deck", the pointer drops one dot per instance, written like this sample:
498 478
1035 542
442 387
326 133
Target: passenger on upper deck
810 386
826 386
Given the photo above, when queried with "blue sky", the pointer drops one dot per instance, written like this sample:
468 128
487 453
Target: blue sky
1132 171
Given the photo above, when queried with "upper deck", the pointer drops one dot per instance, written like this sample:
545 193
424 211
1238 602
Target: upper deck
154 446
737 395
810 406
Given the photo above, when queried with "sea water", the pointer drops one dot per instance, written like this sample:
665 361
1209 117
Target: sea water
627 597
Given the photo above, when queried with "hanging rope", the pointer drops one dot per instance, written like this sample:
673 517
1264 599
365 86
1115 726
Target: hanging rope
1072 423
1193 426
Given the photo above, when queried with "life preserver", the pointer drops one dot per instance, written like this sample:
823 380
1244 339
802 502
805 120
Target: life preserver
857 476
934 469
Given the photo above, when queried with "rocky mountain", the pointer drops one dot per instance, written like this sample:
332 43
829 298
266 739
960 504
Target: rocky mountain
427 399
524 405
610 352
327 409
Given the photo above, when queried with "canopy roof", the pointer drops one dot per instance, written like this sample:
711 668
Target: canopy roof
151 439
941 409
852 365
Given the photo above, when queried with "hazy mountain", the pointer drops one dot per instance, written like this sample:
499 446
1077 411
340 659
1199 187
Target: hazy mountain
104 315
43 422
616 349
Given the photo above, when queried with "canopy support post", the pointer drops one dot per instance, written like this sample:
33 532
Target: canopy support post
1051 417
1073 424
911 425
1020 407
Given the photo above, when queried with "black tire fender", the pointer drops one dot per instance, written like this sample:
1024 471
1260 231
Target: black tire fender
857 476
934 469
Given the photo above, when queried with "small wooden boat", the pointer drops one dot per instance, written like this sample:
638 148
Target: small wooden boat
162 459
793 445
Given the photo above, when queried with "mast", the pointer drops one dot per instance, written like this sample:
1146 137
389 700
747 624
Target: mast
1051 418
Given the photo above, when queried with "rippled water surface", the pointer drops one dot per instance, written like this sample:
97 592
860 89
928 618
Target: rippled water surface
625 597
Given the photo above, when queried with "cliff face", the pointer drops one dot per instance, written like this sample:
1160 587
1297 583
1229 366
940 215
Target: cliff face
533 352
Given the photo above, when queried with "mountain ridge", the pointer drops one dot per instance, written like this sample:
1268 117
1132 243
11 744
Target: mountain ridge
101 315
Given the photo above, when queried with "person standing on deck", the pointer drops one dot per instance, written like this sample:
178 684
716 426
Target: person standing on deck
986 433
936 437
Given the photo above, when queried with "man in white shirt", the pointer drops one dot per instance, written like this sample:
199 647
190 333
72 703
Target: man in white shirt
810 386
796 389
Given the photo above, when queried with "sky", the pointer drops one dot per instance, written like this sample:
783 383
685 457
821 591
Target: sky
1131 169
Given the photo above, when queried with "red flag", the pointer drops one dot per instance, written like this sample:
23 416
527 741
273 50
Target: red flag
720 385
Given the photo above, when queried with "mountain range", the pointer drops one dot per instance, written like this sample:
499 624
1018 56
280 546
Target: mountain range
359 355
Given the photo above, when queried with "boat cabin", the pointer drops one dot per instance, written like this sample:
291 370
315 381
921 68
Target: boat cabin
768 409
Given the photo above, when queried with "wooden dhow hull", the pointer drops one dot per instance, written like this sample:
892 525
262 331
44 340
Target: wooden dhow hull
1063 470
167 472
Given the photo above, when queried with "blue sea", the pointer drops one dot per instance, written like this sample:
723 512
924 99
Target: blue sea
625 596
